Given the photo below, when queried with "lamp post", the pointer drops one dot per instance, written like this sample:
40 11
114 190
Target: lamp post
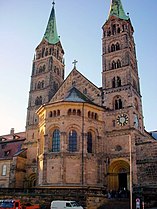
130 151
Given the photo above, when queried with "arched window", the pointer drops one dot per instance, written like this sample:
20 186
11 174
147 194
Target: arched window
89 142
4 170
72 141
118 30
89 114
117 46
58 112
113 82
54 113
118 81
42 84
39 85
43 50
118 63
113 65
56 141
50 114
36 101
40 100
69 112
57 53
113 29
112 48
79 112
118 104
44 67
74 112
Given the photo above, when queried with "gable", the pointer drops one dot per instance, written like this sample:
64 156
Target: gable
81 83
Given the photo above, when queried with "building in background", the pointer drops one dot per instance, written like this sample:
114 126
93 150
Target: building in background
12 160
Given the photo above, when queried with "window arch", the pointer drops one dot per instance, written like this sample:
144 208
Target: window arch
89 114
113 65
89 142
113 82
74 112
4 170
118 63
112 48
69 112
118 81
72 141
79 112
118 104
38 100
39 85
56 141
54 113
117 46
42 84
50 114
58 112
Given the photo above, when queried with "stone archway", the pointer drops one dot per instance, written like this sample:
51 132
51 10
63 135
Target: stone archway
32 180
119 175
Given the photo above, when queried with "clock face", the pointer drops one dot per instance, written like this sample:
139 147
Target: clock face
122 119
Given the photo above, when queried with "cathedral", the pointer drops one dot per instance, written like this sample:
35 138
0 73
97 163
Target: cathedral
81 135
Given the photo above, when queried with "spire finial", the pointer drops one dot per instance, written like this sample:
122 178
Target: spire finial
75 62
53 3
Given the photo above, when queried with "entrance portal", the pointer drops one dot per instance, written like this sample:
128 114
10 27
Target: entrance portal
119 175
122 178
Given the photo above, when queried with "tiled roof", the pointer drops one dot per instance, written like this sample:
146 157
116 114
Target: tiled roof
11 144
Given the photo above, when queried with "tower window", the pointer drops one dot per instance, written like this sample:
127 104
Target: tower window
113 65
114 29
118 81
89 142
117 46
118 63
43 51
56 141
38 100
112 48
118 30
118 103
113 82
72 141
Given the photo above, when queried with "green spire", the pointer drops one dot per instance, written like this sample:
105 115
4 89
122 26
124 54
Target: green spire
51 34
117 10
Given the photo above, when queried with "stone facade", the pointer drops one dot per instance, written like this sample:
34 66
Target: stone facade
79 135
83 135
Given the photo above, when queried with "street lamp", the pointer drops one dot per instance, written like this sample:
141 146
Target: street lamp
130 151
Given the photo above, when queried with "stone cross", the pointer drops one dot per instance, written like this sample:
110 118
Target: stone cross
75 62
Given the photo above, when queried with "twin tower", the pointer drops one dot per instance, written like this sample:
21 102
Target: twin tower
78 134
